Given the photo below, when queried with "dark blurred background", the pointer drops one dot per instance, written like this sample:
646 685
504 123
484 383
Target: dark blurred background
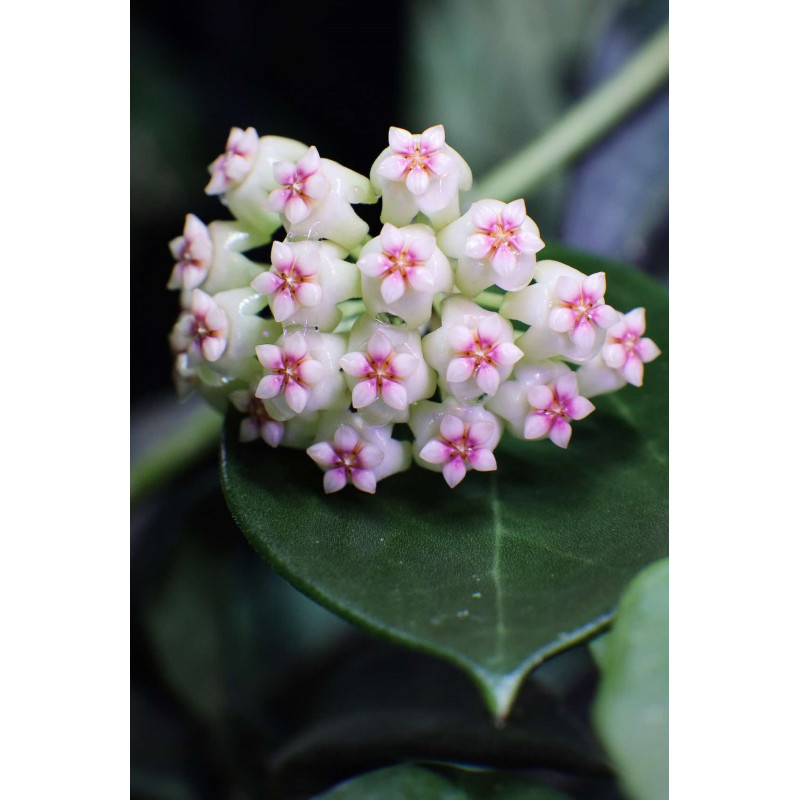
241 686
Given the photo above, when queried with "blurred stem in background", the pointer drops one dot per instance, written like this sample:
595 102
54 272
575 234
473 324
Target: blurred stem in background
587 121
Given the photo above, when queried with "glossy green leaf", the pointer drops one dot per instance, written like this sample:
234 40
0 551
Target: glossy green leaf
411 782
508 569
631 710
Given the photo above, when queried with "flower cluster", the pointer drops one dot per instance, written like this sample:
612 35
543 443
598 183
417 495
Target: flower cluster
343 336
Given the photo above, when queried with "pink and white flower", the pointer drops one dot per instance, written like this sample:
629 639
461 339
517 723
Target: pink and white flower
627 350
192 252
494 243
473 351
302 374
553 407
314 196
300 186
420 173
350 451
347 459
454 440
566 311
402 270
306 282
202 331
234 164
257 422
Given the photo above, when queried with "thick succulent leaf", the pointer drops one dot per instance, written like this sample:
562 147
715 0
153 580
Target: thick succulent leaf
411 782
631 710
508 569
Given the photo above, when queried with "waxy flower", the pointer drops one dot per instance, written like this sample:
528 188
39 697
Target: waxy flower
302 374
473 351
202 331
622 359
493 243
350 451
402 270
313 198
541 401
420 173
306 282
257 422
454 440
235 163
386 371
626 349
192 253
565 309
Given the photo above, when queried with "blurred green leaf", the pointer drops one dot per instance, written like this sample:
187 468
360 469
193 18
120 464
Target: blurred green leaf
411 782
507 570
631 711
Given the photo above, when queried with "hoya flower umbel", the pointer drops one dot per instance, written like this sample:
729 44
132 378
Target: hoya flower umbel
349 450
454 440
420 173
306 281
553 407
402 270
302 374
494 243
473 351
233 165
202 331
566 311
627 349
192 253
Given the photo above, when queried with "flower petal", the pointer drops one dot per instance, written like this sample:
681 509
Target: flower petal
604 316
583 335
284 172
566 387
267 283
594 287
460 369
296 209
364 479
355 364
393 287
403 365
561 320
392 240
308 163
323 454
401 140
295 347
213 347
346 439
436 452
365 393
635 321
537 425
310 371
431 139
560 432
334 480
379 347
270 356
482 459
272 432
417 181
283 305
421 248
579 407
491 329
478 245
460 338
369 456
309 293
480 432
394 395
540 397
513 215
373 265
527 242
568 290
296 396
506 354
454 471
451 428
488 379
647 350
420 278
483 216
393 167
269 387
633 370
614 355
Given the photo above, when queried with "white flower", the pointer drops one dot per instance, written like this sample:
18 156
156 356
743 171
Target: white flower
494 243
566 311
314 198
402 270
420 173
473 351
349 450
306 281
453 440
386 371
302 374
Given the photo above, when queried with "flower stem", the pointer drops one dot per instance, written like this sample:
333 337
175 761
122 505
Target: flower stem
198 434
579 128
583 124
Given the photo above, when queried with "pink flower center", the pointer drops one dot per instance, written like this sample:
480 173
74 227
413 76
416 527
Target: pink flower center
502 236
290 370
401 263
460 448
583 307
292 280
482 352
349 459
381 370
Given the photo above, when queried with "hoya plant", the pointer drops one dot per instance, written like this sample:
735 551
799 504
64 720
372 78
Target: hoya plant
441 428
